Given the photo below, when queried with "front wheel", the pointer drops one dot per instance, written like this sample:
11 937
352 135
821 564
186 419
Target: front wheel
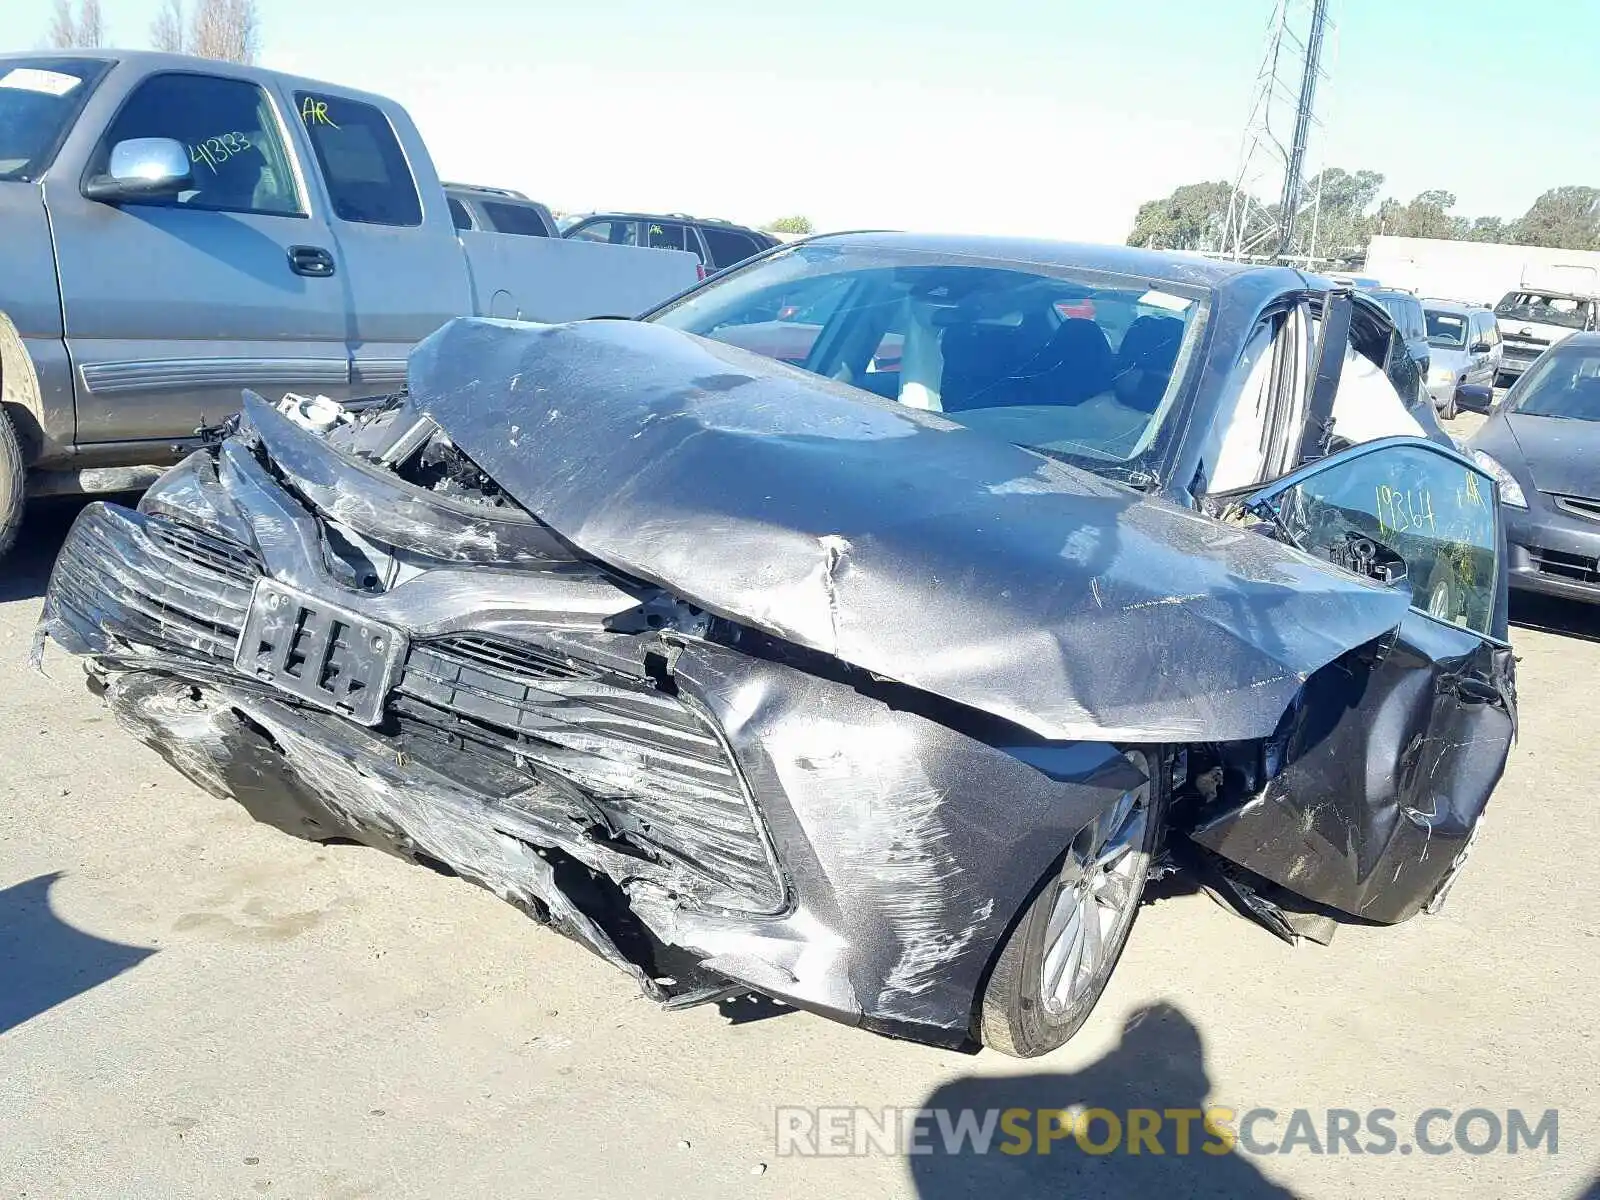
1058 959
1451 408
11 483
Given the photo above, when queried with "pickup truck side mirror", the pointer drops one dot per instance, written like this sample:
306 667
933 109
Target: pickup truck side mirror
1479 348
142 169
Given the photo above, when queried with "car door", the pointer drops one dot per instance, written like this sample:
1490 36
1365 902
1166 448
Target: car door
1491 330
1384 767
403 268
171 306
1478 367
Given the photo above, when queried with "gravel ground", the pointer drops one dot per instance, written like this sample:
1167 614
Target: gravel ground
194 1005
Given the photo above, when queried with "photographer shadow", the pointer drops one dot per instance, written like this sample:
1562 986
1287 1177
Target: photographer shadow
1158 1064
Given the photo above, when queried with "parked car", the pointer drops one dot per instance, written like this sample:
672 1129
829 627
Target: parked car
177 228
1406 311
877 692
1542 445
1466 350
1533 320
499 210
717 243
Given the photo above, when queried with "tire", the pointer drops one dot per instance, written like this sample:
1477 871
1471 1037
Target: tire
1023 1016
12 478
1442 598
1451 409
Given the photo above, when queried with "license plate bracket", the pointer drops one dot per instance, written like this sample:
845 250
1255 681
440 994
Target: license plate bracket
320 652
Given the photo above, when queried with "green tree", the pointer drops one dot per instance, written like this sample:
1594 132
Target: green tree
1489 229
1193 217
1427 216
1340 219
795 224
1565 217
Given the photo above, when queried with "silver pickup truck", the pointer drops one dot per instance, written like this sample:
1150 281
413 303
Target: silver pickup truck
174 229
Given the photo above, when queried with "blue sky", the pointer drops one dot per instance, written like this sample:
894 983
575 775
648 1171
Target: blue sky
1054 117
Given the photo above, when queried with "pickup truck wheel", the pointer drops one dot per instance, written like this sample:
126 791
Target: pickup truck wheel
1451 409
1058 959
11 481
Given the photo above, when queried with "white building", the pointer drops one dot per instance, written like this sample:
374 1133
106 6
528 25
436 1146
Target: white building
1478 271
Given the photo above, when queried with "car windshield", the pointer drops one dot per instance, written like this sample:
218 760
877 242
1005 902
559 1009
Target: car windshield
1447 330
39 97
1564 383
1077 364
1542 308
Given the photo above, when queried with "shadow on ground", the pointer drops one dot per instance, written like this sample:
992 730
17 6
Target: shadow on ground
1158 1065
45 961
25 572
1551 614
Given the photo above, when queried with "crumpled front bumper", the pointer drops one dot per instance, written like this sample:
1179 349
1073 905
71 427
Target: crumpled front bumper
860 856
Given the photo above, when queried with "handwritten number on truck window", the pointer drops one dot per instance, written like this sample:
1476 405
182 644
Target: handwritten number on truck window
214 151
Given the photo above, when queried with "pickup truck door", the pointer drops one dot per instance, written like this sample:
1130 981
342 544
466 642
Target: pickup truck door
172 306
403 269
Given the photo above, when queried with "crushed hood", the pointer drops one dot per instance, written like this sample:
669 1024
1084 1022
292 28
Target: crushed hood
891 538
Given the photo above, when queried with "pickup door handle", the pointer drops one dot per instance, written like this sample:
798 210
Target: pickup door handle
310 260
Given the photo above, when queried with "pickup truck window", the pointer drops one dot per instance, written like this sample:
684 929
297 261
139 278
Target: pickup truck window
368 178
39 97
515 218
236 154
459 215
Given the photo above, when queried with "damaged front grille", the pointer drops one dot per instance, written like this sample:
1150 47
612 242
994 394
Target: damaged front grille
207 551
654 772
187 594
552 743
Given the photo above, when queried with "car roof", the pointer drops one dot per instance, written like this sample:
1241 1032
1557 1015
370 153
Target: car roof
625 215
1461 307
1169 266
487 192
158 60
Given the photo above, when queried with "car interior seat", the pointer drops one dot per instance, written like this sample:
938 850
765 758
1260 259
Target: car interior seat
978 359
1145 360
1074 364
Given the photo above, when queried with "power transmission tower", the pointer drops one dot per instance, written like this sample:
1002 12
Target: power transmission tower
1278 150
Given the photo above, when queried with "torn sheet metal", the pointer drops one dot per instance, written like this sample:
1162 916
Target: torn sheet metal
877 860
891 538
1388 761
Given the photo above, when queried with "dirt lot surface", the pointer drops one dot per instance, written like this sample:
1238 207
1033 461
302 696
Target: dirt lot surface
194 1005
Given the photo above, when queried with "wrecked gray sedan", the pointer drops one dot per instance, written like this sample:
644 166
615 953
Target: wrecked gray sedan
862 629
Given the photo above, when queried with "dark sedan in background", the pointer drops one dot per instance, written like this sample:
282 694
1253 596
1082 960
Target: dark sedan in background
1542 444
